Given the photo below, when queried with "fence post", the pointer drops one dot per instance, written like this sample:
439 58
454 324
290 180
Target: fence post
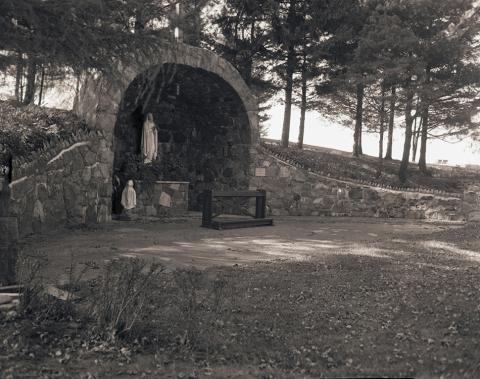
207 207
260 204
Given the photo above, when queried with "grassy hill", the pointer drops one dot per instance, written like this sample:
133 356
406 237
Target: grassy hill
25 129
342 165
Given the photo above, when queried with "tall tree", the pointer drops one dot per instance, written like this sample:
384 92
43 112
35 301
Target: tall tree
391 123
242 34
91 34
286 22
349 73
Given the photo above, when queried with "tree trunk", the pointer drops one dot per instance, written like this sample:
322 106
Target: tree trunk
402 173
290 69
391 123
416 128
77 90
18 78
382 124
303 106
197 24
31 81
22 87
415 137
248 64
42 83
288 100
357 135
422 160
382 132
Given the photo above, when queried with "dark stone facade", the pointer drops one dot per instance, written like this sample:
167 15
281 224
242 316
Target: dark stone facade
203 132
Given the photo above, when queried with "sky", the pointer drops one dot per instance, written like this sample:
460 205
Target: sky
322 132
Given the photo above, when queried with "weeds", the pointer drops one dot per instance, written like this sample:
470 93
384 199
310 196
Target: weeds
189 282
75 274
119 295
31 281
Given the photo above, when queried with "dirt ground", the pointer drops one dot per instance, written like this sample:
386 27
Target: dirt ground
306 298
184 243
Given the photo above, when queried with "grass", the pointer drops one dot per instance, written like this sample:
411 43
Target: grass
400 308
367 168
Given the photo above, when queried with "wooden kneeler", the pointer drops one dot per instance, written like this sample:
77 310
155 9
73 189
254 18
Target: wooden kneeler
209 221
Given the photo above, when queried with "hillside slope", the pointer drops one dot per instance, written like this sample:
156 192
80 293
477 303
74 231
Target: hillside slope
343 165
25 129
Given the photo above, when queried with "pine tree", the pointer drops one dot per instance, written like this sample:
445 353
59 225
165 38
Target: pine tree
241 33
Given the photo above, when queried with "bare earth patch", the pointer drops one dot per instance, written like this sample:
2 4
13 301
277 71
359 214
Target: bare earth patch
306 298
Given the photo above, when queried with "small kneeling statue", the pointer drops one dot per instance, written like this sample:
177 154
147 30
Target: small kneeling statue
129 199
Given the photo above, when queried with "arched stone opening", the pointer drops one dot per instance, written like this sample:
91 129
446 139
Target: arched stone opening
204 131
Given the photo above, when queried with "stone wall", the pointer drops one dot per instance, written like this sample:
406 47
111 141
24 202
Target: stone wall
65 184
295 191
161 199
100 97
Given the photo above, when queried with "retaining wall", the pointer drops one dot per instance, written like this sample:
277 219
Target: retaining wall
68 183
296 191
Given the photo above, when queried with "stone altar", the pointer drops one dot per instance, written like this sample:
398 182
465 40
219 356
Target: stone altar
161 198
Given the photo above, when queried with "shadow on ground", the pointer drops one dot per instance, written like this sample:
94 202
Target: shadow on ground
308 297
186 244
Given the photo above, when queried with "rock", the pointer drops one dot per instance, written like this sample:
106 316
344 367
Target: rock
356 193
8 307
474 216
5 299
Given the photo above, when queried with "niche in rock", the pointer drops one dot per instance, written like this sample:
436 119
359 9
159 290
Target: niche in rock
203 131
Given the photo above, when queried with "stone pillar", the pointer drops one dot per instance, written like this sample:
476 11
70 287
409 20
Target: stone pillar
8 240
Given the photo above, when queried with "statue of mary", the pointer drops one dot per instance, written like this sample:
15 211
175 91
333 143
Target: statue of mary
149 140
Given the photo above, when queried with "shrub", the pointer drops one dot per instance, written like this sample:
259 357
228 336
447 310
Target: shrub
120 295
32 284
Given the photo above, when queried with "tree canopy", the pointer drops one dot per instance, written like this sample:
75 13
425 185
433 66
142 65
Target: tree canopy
360 61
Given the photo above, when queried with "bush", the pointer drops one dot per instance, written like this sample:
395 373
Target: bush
25 129
120 294
29 276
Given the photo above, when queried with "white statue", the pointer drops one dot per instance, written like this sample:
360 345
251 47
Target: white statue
149 140
129 196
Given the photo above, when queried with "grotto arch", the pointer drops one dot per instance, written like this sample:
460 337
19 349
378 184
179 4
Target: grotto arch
204 135
206 81
100 97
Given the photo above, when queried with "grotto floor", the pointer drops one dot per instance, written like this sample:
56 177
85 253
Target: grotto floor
184 243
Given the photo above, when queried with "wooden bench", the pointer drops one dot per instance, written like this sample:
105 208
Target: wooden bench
208 218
